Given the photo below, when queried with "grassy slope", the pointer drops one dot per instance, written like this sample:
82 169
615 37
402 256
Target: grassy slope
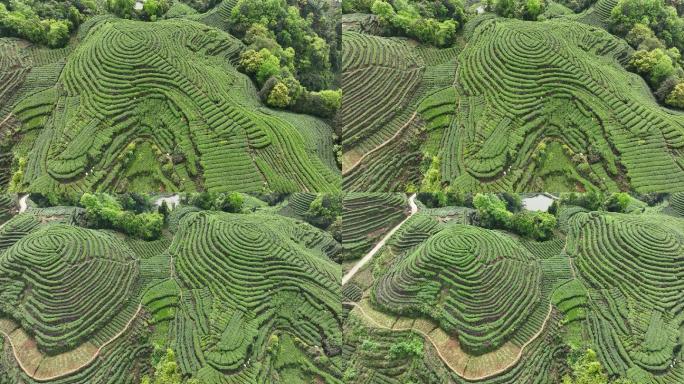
170 85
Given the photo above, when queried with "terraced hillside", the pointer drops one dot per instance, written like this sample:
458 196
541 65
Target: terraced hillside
240 298
446 301
147 106
392 75
7 207
367 217
632 268
301 294
518 105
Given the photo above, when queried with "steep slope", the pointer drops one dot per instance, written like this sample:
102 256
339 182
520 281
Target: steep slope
144 106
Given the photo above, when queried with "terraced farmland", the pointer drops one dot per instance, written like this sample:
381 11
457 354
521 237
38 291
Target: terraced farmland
513 106
633 270
134 106
446 301
367 217
240 298
391 75
7 207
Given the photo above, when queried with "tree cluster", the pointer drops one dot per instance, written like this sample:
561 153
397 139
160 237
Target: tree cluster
357 6
595 201
432 23
577 5
226 202
654 28
151 10
104 211
445 198
167 371
587 369
517 9
494 212
292 53
45 23
201 5
325 212
405 349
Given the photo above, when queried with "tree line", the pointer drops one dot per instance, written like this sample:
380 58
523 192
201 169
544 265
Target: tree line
46 23
292 54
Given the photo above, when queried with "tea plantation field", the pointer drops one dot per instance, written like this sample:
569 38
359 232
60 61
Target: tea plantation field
367 217
512 106
449 301
247 297
148 106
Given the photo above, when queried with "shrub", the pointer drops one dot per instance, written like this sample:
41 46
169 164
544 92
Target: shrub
587 370
676 96
407 348
103 211
408 20
513 201
591 200
322 104
229 202
324 210
121 8
535 225
492 211
226 202
153 9
58 33
617 202
279 97
519 9
166 371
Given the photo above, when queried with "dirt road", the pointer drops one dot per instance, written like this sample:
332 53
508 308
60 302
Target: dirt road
380 244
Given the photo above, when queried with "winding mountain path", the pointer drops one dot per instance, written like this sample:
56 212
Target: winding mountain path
22 203
346 170
380 244
41 368
458 362
448 350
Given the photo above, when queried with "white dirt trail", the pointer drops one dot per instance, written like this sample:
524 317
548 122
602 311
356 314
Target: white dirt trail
22 208
67 372
22 203
380 244
446 361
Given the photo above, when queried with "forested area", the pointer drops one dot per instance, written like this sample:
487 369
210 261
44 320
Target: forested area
433 23
654 28
293 52
48 23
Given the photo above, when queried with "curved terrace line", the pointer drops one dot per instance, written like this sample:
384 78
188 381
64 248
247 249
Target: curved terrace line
399 131
348 276
444 359
95 355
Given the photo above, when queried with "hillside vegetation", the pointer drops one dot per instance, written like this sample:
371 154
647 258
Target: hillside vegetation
450 300
515 105
132 105
249 297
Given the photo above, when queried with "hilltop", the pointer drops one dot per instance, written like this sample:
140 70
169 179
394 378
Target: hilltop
553 104
251 296
454 297
167 105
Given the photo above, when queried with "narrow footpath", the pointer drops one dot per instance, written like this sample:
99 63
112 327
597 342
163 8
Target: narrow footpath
380 244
